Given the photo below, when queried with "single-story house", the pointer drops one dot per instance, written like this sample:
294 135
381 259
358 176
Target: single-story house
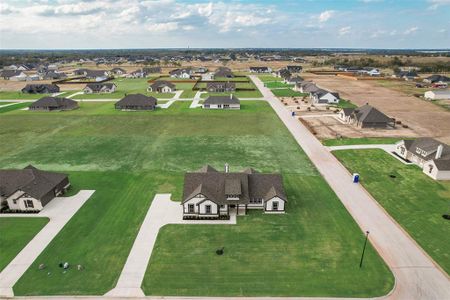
40 89
98 75
118 71
283 73
52 75
429 154
223 72
369 71
437 95
294 69
208 76
78 72
208 193
200 70
152 70
437 79
222 102
293 80
260 70
324 97
136 102
181 73
366 116
220 87
53 103
306 87
11 74
162 86
91 88
140 73
30 189
406 75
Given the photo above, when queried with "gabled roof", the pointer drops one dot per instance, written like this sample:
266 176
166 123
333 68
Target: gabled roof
40 88
97 87
55 102
10 73
370 114
222 100
30 180
137 100
160 83
426 148
438 78
442 164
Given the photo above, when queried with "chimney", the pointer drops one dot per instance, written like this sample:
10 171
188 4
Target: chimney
227 168
439 152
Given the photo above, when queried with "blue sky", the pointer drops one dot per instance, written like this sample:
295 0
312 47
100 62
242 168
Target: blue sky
69 24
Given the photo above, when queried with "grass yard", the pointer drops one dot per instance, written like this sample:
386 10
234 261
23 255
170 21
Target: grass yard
345 104
286 93
277 84
127 157
15 233
269 78
13 95
361 141
415 200
14 107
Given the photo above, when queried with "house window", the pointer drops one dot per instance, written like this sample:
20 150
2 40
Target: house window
275 205
191 208
28 203
226 106
219 105
402 150
208 209
222 206
430 168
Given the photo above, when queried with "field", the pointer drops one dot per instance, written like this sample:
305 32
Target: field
415 200
269 78
15 233
127 157
286 93
14 107
277 84
360 141
19 95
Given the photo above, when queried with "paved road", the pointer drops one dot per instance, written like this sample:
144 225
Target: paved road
59 211
417 276
162 211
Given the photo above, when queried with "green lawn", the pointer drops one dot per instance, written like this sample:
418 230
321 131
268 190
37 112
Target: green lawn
7 95
360 141
14 107
15 233
277 84
286 93
127 157
345 104
415 200
269 78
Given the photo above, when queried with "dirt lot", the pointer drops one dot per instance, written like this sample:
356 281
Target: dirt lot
10 85
424 118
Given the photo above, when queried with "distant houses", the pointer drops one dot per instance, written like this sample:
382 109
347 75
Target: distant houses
134 102
431 155
118 71
220 87
406 75
40 89
222 102
181 73
92 88
437 79
30 189
162 86
53 75
223 72
437 95
152 70
260 70
140 73
366 116
53 104
294 69
14 75
98 75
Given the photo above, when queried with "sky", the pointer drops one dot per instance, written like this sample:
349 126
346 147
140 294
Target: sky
106 24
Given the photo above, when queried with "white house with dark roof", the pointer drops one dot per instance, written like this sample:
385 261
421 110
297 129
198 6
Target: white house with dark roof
430 154
91 88
324 97
366 116
222 102
211 194
162 86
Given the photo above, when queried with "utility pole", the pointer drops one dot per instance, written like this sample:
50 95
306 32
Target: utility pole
364 250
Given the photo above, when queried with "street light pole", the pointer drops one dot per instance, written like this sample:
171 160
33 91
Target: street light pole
364 250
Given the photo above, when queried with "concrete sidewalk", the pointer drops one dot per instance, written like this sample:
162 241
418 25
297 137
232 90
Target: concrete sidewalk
60 210
162 211
417 275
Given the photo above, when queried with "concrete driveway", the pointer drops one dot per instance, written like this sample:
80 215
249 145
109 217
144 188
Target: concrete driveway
60 210
417 275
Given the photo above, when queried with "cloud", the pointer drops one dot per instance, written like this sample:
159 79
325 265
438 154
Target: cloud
6 9
162 27
344 30
325 15
411 30
437 3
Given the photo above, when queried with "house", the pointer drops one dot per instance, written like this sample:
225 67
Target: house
181 73
118 71
13 75
283 73
98 75
53 103
222 102
211 194
152 70
220 87
429 154
407 75
366 116
91 88
324 97
294 69
293 80
200 70
437 79
30 189
162 86
306 87
136 102
140 73
369 71
77 72
40 89
437 95
260 70
52 75
223 72
208 76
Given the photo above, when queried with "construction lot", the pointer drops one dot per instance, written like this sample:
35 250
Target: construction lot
423 118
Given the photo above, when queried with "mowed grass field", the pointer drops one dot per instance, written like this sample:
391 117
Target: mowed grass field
361 141
127 157
415 200
7 95
15 233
